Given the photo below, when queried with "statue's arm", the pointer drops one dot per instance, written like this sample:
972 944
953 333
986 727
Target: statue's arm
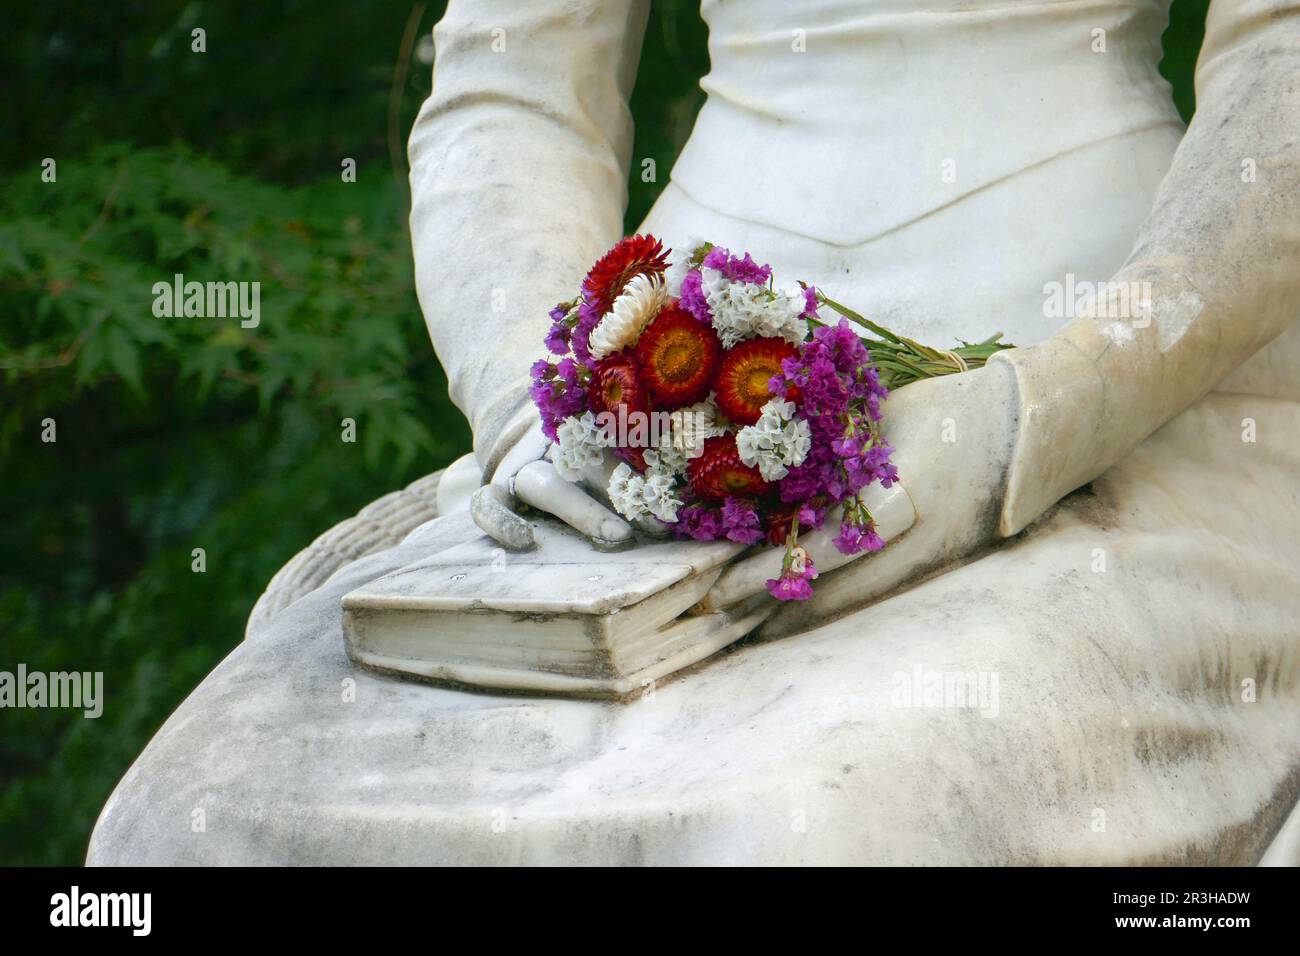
519 163
1221 251
1036 423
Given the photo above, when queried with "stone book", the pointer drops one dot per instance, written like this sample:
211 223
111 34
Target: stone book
564 619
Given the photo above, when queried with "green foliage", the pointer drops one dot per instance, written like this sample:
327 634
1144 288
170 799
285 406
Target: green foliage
81 258
285 89
182 433
1182 43
666 98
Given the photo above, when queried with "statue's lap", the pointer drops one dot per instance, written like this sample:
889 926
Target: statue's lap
1040 704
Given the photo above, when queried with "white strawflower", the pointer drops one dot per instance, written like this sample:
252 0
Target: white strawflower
776 442
581 444
638 303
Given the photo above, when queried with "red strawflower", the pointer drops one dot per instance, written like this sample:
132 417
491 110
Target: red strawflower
778 525
679 356
719 473
630 257
616 385
617 382
741 384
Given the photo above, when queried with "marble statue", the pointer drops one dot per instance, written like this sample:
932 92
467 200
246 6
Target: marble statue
1087 648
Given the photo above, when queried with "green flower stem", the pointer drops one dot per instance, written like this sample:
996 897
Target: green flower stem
900 360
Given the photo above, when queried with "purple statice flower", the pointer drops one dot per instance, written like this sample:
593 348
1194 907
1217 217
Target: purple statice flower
740 521
790 588
854 538
797 574
699 521
692 298
848 446
845 347
857 529
811 516
869 465
810 302
561 331
814 372
819 474
838 395
557 339
849 355
589 316
744 269
823 399
716 258
558 393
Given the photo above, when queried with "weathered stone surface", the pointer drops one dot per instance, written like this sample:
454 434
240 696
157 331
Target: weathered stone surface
1119 732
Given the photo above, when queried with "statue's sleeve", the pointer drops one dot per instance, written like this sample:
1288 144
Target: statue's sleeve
1221 251
519 162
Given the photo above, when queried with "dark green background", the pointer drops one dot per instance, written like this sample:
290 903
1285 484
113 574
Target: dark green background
193 433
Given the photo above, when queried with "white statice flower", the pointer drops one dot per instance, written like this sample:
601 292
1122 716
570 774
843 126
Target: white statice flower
775 443
624 490
715 287
581 445
658 496
638 303
746 310
692 425
665 459
636 496
782 317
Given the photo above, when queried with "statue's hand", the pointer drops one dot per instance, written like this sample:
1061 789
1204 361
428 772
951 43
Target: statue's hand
952 439
525 475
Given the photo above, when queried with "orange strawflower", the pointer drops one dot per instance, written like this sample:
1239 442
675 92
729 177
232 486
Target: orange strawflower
719 473
742 382
679 356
